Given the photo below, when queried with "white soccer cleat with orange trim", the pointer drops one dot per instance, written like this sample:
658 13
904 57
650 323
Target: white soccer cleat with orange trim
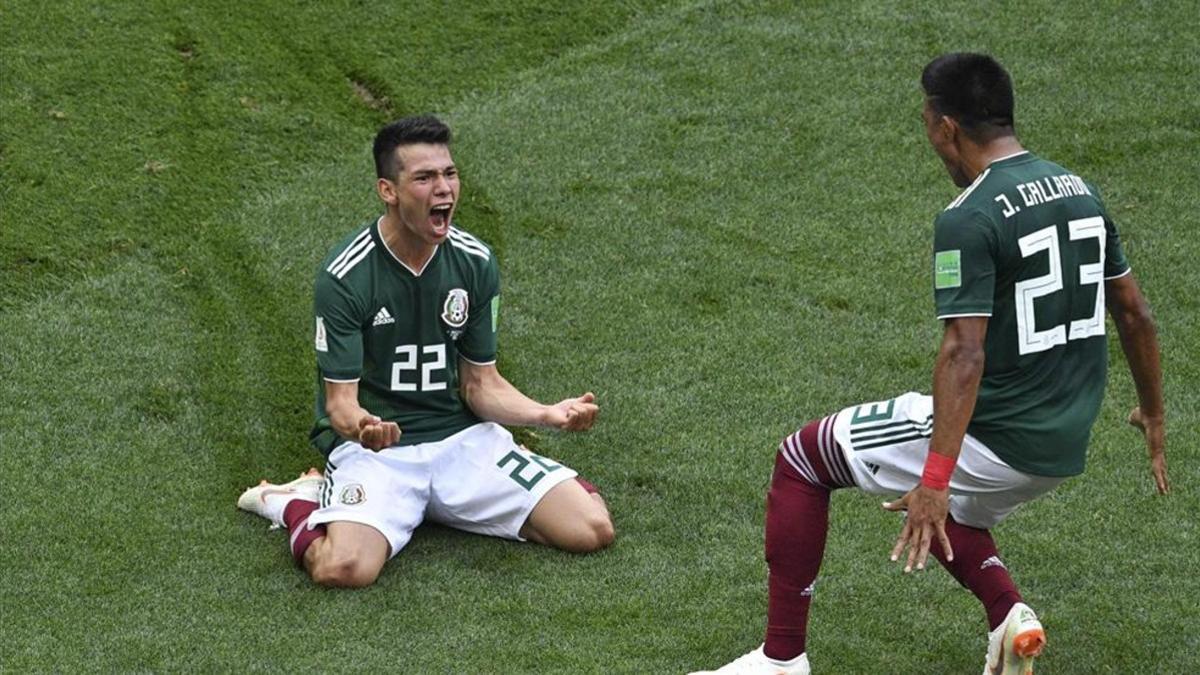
757 663
1014 644
268 499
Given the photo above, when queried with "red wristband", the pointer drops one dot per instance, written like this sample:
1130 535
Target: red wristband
937 471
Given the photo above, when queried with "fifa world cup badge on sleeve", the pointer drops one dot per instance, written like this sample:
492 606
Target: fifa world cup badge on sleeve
321 343
947 269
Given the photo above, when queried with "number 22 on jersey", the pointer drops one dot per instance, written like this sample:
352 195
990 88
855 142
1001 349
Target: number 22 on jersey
408 361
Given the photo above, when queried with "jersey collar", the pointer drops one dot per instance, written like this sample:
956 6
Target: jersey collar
1007 157
394 258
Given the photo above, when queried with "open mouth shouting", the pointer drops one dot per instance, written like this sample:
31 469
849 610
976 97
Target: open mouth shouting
439 217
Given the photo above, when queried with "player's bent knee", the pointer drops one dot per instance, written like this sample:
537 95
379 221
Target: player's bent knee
570 519
351 555
595 532
345 575
603 532
344 571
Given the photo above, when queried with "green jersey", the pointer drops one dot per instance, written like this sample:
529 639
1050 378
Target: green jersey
1030 245
399 332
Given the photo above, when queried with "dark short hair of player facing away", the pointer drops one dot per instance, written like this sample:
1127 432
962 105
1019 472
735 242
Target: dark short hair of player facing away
975 90
406 131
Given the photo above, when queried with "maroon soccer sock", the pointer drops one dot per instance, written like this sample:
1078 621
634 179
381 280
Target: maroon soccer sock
588 487
816 457
295 517
977 566
797 522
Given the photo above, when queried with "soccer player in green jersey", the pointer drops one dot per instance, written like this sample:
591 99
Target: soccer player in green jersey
409 400
1025 261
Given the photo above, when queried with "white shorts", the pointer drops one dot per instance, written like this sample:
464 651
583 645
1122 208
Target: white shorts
886 443
478 480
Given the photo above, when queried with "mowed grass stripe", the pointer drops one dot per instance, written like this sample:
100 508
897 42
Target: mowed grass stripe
186 110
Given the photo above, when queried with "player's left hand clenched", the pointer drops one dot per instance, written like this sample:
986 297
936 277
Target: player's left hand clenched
573 414
927 512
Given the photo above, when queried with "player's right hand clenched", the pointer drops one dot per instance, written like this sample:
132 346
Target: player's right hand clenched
375 434
573 414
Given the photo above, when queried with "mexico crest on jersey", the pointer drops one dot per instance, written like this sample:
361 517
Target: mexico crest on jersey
454 310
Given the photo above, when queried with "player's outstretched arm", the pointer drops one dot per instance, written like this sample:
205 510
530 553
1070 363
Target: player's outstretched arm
350 420
956 376
1139 341
495 399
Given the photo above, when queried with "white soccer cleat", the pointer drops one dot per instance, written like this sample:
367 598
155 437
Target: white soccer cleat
268 499
1015 643
757 663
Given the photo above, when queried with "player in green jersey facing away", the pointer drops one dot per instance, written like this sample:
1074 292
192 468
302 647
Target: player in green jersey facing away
409 400
1025 261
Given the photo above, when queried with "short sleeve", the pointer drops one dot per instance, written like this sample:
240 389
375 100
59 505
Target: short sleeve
338 337
1115 264
964 265
478 342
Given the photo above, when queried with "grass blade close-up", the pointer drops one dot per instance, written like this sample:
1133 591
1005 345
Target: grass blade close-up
718 216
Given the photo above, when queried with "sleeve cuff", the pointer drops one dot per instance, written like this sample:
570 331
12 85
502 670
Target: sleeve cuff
338 380
962 315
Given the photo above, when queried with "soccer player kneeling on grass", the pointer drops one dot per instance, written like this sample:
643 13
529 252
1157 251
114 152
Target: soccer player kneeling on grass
1025 259
409 400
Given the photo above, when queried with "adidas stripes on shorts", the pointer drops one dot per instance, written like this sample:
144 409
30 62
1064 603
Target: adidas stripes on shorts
478 480
885 444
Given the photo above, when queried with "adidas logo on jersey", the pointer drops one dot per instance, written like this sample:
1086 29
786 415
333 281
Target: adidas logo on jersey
383 317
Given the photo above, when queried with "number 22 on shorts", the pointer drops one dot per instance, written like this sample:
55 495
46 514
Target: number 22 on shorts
521 463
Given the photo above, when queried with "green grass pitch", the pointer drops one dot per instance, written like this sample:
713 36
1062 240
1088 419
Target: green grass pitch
716 215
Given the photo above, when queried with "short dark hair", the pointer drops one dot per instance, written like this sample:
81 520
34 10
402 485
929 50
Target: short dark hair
406 131
975 90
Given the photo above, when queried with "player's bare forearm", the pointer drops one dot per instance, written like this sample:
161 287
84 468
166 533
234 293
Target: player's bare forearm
495 399
344 419
1139 341
350 420
499 401
956 376
343 409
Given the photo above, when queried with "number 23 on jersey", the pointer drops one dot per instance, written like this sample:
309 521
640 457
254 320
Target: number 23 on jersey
1029 339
